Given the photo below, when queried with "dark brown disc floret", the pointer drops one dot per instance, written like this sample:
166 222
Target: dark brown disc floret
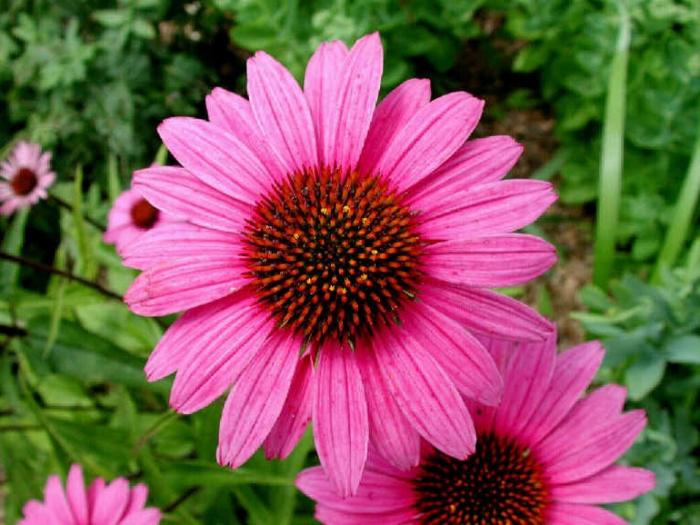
23 182
144 214
333 255
500 484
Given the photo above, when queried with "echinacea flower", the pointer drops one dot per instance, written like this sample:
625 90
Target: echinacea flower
335 261
101 503
24 177
545 455
130 217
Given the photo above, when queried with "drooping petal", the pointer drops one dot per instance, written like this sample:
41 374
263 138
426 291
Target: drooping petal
216 157
390 432
390 117
478 161
256 399
179 193
110 503
351 107
615 483
341 426
458 353
570 514
494 261
282 112
497 207
429 138
77 497
378 492
295 414
425 394
232 112
56 501
573 371
486 312
181 284
219 340
323 74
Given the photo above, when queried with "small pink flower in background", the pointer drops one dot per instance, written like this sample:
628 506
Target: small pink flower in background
544 456
24 177
100 504
366 238
130 217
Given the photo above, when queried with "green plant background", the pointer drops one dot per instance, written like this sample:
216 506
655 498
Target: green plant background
91 80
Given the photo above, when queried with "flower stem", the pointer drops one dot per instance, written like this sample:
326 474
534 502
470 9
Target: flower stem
18 259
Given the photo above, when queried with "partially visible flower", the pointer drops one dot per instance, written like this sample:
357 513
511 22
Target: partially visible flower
130 217
24 177
545 455
100 504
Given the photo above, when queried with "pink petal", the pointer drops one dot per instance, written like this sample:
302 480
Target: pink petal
37 514
573 371
497 207
295 414
219 339
178 240
566 514
591 455
330 516
77 496
526 375
390 432
94 491
233 113
390 117
257 398
485 312
429 138
55 500
478 161
425 394
341 427
614 484
458 353
353 104
282 113
321 81
180 194
137 499
377 493
216 157
180 284
494 261
145 517
111 503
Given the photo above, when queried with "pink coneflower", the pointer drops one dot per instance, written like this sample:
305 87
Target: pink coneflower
27 174
544 455
362 238
100 504
130 217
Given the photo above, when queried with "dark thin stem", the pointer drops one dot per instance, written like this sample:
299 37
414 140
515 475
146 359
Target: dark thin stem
12 331
19 428
50 269
69 207
181 499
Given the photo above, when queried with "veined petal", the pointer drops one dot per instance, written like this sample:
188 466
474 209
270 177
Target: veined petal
486 312
494 261
352 106
295 414
56 501
282 113
389 118
425 394
219 340
341 426
111 503
216 157
615 483
493 208
255 402
429 138
77 497
179 193
181 284
145 517
569 514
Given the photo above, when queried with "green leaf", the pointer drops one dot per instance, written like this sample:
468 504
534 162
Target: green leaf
644 375
684 350
12 244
